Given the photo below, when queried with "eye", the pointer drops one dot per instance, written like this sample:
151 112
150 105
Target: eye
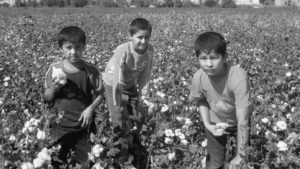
202 58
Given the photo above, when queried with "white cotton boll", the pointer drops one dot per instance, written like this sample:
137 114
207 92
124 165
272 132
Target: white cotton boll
164 108
7 78
181 136
31 121
41 135
171 156
288 74
97 166
188 121
44 155
27 165
281 125
24 130
204 143
282 146
160 94
27 124
177 132
97 150
265 120
91 157
36 122
31 129
220 131
184 141
203 162
169 133
59 75
179 118
168 140
12 138
38 162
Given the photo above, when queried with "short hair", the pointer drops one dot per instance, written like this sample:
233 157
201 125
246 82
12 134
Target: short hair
139 24
210 42
71 34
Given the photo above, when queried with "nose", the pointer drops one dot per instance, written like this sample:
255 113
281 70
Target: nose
143 40
73 51
209 63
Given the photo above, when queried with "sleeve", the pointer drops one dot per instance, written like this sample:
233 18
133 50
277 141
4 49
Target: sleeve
119 58
145 75
48 78
196 92
98 84
241 90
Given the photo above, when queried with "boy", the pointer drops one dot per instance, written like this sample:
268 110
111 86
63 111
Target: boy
126 74
222 93
75 88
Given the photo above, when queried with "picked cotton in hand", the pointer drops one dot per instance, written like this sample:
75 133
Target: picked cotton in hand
59 75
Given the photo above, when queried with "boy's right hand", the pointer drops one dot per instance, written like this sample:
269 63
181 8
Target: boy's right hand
216 130
56 86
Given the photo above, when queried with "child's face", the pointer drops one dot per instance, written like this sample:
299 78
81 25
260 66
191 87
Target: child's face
212 64
72 52
140 40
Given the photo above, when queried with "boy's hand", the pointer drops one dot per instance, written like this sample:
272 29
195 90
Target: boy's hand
216 130
86 117
235 163
56 86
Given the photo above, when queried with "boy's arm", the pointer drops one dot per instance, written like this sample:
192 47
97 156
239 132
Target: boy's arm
51 88
241 90
87 115
242 115
119 60
205 115
98 91
145 76
51 92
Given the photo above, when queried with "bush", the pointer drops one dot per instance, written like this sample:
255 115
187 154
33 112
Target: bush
269 2
141 3
210 3
189 4
177 3
80 3
228 4
109 3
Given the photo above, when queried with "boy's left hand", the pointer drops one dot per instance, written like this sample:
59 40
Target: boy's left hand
235 163
86 117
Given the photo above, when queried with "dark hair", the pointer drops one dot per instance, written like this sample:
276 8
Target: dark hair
71 34
210 41
139 24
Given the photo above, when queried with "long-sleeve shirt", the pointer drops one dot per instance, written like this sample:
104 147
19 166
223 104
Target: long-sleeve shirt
127 68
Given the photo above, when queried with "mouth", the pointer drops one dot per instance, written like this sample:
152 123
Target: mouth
209 70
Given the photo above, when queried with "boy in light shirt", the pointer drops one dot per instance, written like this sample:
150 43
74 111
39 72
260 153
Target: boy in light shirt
222 93
126 74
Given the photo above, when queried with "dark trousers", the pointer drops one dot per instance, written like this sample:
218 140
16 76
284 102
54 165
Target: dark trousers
216 149
123 116
77 141
127 123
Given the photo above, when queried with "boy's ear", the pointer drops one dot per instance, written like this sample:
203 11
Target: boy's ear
130 36
225 56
